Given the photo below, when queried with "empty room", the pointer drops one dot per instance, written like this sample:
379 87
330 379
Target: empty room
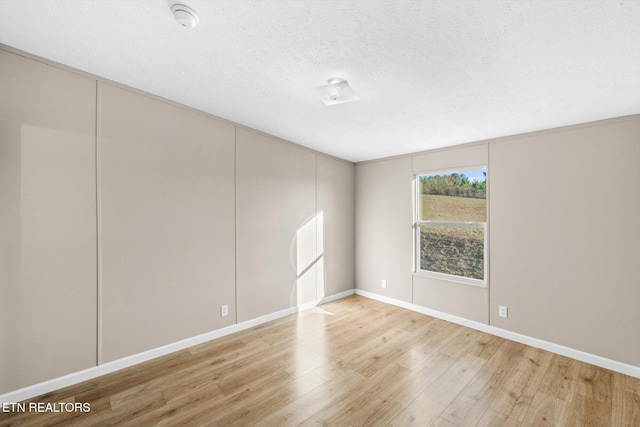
320 212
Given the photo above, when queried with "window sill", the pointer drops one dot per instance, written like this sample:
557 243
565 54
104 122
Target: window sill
450 278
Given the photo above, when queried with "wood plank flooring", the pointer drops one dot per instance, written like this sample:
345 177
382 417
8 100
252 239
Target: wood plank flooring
352 362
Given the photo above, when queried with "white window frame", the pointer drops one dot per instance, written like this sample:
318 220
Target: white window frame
461 224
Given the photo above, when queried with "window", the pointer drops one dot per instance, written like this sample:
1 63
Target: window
451 229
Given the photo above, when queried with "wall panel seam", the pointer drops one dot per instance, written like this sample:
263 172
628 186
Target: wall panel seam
99 343
235 220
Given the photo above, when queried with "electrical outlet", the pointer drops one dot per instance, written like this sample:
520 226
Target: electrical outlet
384 284
224 310
502 311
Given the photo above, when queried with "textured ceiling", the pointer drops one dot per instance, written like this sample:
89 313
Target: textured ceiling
428 73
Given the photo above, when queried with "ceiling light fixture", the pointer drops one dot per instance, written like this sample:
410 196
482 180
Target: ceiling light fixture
185 16
337 92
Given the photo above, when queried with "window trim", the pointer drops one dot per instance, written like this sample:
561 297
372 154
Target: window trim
418 222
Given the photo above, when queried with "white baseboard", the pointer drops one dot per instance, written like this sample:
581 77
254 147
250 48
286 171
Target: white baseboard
582 356
109 367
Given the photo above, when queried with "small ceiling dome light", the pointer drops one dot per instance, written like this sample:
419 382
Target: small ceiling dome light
337 92
185 16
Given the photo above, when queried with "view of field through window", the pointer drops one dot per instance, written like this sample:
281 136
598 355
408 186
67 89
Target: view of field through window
448 203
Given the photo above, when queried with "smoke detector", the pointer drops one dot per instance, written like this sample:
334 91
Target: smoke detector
185 16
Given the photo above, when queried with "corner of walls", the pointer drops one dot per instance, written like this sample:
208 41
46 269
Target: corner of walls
385 233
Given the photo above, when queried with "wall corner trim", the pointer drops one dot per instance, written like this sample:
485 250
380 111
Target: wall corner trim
116 365
582 356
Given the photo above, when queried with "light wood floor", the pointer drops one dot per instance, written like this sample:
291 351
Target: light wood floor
353 362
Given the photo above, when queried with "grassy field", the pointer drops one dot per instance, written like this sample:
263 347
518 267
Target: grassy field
457 251
453 250
446 208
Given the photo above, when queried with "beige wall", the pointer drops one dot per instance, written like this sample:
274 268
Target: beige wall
563 227
275 198
384 227
565 237
47 222
295 219
175 193
167 215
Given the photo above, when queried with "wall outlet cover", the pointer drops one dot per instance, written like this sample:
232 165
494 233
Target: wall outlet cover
502 311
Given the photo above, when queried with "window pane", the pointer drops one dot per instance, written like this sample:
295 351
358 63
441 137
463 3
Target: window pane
452 250
456 196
